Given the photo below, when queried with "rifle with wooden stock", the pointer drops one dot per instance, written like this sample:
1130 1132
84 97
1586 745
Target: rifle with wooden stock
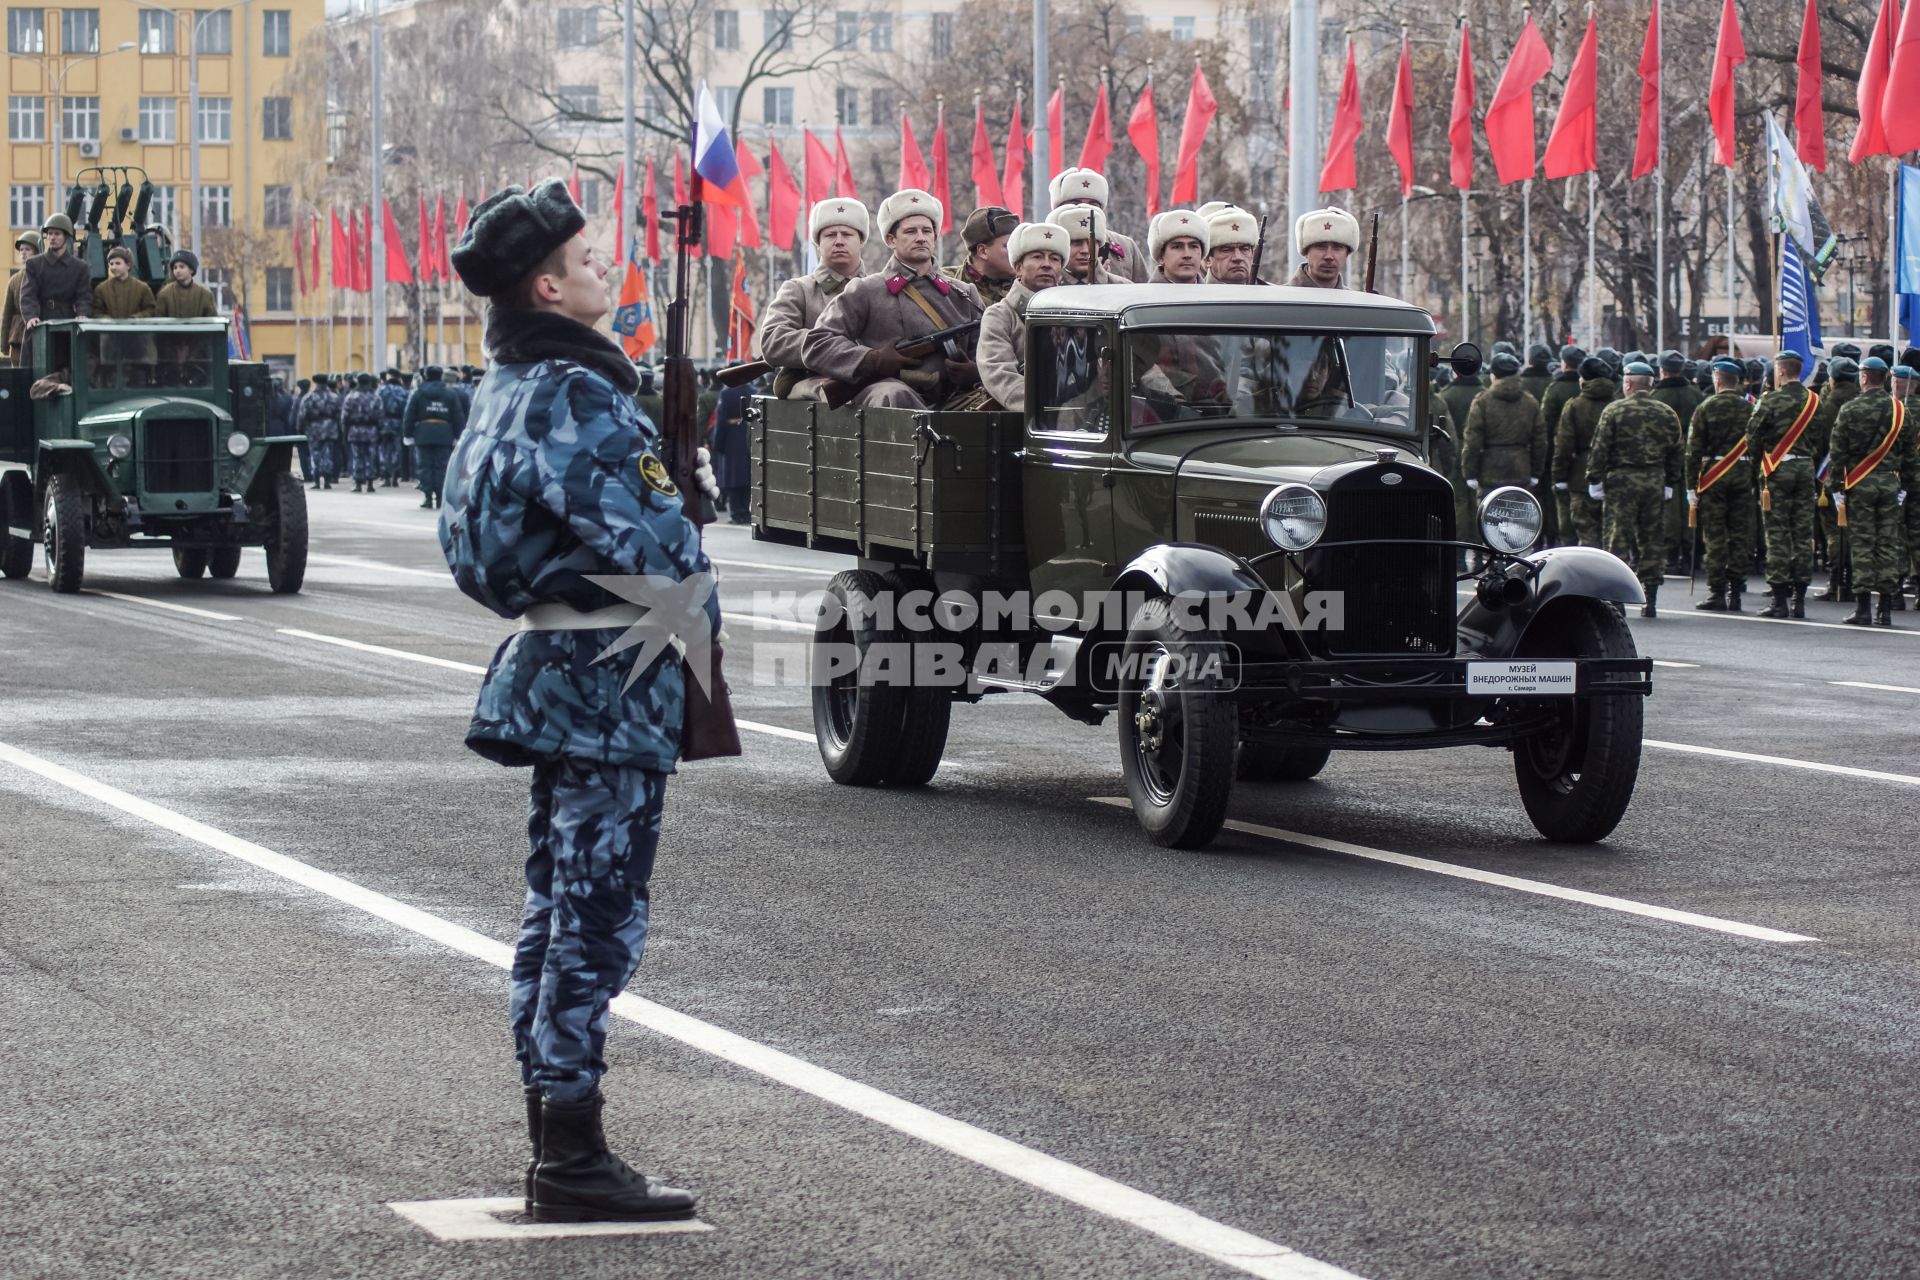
956 343
737 375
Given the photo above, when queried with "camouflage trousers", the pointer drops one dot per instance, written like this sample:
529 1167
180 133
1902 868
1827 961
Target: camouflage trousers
1725 517
1873 534
326 459
1580 522
1635 511
1788 519
388 464
361 455
593 829
1829 518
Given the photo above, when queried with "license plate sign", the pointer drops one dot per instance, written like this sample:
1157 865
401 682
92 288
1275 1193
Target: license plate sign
1520 679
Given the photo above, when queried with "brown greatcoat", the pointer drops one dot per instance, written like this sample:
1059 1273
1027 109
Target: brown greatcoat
796 308
1003 349
12 322
1131 264
875 311
127 299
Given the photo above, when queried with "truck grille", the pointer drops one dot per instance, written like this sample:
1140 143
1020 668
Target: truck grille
176 455
1399 598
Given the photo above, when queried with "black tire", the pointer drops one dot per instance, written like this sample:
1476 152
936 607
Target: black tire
63 532
925 714
190 562
287 536
1177 736
1273 762
223 562
1577 780
16 511
856 721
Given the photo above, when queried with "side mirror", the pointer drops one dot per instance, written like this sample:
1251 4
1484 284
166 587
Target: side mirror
1466 351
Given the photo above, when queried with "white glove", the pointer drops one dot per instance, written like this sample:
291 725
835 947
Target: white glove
1693 498
1473 484
703 474
1840 498
1533 482
1598 492
407 441
1666 493
1560 485
1900 498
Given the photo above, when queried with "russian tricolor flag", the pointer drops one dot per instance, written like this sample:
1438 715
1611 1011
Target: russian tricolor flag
713 162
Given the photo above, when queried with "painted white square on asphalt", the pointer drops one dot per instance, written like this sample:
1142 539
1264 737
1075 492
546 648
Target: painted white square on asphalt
482 1219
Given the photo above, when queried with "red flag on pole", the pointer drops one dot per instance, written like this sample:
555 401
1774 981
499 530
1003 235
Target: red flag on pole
361 278
342 254
1809 114
783 200
397 270
820 171
428 267
740 322
1056 129
913 165
313 249
1572 146
1400 117
1509 123
1338 173
1729 51
649 211
942 188
1646 151
460 216
749 166
723 229
1143 130
1099 143
573 184
1870 137
299 260
1460 123
842 169
1900 102
1011 183
986 178
620 214
442 255
633 321
1201 108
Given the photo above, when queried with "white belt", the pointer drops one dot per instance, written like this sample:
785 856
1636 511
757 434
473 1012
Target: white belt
1793 457
560 617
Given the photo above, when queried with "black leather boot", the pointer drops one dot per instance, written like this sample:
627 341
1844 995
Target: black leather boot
1715 603
426 503
1798 609
1778 608
533 1136
578 1180
1862 615
1883 617
1648 610
1833 588
1900 596
1734 593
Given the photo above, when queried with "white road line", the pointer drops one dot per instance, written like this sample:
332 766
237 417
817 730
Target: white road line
438 575
1794 622
776 731
324 521
481 1220
1627 905
1884 688
762 620
167 605
1787 762
765 564
1173 1223
1688 666
382 650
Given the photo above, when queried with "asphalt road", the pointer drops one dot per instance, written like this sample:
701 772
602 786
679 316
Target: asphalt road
217 1060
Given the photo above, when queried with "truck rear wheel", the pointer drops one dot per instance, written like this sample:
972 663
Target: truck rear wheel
63 532
1277 762
287 536
223 562
16 512
1177 735
190 562
1577 778
925 715
856 720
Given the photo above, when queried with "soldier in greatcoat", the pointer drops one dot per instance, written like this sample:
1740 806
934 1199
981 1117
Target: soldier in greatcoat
839 230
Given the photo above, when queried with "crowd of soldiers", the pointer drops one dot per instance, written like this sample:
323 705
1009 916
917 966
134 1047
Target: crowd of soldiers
53 283
1653 456
382 431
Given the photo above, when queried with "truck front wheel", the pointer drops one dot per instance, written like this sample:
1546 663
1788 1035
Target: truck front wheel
64 533
190 562
857 708
287 536
1577 778
223 562
1177 732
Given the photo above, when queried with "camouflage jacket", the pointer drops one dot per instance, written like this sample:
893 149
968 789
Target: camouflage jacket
1863 424
360 416
1503 443
393 406
1771 418
1719 427
990 291
1574 436
1636 433
557 477
318 417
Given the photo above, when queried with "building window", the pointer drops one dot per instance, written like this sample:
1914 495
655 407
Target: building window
846 106
276 119
279 288
578 28
577 99
80 119
883 109
216 206
216 120
1183 30
160 213
590 197
727 98
26 119
79 31
726 28
156 31
942 35
216 279
880 38
779 29
26 33
653 104
776 106
846 29
276 207
27 206
157 117
1135 24
276 33
212 31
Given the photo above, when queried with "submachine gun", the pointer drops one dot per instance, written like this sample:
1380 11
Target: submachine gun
956 343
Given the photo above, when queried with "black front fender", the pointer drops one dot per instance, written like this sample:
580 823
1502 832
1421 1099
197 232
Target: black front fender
1560 573
1188 568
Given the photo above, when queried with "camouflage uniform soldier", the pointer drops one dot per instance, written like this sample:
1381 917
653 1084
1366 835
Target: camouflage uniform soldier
1503 443
318 419
1906 389
1776 438
1571 442
360 416
393 411
1874 455
1459 394
1676 391
1720 486
1634 467
987 269
558 478
1843 385
1564 387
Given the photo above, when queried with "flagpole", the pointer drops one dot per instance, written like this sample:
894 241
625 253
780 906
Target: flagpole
1593 292
1526 261
1659 182
1466 270
1406 245
1893 254
1041 179
1733 309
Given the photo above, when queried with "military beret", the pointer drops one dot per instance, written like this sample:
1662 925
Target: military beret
1505 364
1906 371
1077 184
1326 226
1844 369
1873 364
1755 370
1793 358
1171 225
1733 368
512 232
1672 362
1082 221
1851 350
186 256
1229 226
1594 367
1465 361
121 252
1539 353
987 224
1038 237
838 213
1572 355
1639 369
1882 349
908 202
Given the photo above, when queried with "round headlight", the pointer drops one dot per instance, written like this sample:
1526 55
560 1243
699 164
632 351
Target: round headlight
1294 517
1510 519
238 444
119 447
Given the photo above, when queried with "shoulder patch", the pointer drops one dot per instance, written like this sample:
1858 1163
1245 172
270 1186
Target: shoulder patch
654 472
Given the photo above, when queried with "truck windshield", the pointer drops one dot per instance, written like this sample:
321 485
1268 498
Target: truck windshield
142 359
1204 376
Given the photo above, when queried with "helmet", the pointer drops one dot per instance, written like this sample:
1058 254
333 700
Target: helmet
59 222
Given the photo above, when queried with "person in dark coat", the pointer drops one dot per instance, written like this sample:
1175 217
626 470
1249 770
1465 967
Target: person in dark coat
436 413
732 467
56 284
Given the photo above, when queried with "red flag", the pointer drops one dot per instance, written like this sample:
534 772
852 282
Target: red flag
749 166
343 253
820 171
1011 183
460 216
1201 109
942 188
913 165
397 269
1099 143
443 259
740 323
783 200
299 260
620 214
1400 117
1056 129
1571 147
1870 137
649 211
1460 123
723 229
986 178
1809 114
1729 51
1646 151
1143 129
1902 125
842 169
1338 173
428 267
313 249
573 184
1509 122
357 270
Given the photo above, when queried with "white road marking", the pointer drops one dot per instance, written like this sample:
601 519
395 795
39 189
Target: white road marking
1627 905
1884 688
1662 662
765 564
432 527
1877 775
382 650
776 731
457 1220
1793 622
762 620
438 575
1173 1223
167 605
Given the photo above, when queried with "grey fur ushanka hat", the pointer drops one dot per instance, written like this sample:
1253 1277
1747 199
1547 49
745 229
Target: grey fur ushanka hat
512 232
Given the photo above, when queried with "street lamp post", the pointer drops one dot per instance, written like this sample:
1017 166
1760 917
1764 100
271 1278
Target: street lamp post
193 106
59 87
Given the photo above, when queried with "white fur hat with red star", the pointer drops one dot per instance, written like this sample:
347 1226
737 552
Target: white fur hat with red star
838 212
1082 221
1231 226
1326 226
906 204
1077 184
1171 225
1037 237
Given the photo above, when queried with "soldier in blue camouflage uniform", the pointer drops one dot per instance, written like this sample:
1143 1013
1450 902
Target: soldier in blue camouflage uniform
393 407
557 478
1633 467
318 419
360 419
436 413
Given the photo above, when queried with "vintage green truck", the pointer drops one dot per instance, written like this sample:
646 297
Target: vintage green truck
1213 519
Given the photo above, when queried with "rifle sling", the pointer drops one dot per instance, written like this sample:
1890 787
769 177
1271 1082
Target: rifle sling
919 300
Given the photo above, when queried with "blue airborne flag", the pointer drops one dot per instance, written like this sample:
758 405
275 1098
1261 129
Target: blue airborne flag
1908 251
1799 308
